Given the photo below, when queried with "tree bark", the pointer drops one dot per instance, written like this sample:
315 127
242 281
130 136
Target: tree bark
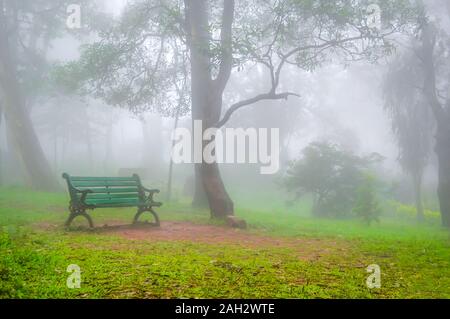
1 153
442 116
199 201
443 155
206 103
19 121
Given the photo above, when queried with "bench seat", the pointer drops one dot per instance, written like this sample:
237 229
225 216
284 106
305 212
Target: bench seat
109 192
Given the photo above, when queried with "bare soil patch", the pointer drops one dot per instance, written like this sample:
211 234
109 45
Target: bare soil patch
307 248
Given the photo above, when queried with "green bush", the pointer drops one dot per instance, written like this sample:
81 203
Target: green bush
367 206
331 175
409 212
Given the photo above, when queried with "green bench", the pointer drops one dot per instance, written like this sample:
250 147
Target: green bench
107 192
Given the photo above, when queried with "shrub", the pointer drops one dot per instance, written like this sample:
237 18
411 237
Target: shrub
409 212
367 206
332 175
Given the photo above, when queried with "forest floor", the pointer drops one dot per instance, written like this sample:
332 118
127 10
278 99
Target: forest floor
281 255
188 232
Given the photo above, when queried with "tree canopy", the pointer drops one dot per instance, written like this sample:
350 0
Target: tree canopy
140 59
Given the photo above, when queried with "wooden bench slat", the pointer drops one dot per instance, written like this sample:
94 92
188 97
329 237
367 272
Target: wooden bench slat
109 205
104 183
127 201
82 178
108 196
101 190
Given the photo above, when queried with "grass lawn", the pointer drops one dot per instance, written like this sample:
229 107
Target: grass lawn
327 258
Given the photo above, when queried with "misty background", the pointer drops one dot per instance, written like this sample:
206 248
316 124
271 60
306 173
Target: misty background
338 103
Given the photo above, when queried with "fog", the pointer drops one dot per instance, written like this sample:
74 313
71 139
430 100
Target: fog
189 149
339 100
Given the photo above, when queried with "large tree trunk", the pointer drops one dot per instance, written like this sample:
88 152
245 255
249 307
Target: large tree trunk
27 143
417 181
443 155
199 200
19 122
1 153
442 116
219 202
206 103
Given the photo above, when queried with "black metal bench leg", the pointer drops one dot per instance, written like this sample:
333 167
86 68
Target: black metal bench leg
141 211
76 213
136 217
155 216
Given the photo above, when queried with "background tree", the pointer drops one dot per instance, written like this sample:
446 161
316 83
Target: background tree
1 153
133 63
433 51
367 206
331 175
68 120
26 29
180 88
431 48
412 121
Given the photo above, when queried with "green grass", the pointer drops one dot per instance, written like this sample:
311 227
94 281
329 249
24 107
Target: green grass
414 260
283 223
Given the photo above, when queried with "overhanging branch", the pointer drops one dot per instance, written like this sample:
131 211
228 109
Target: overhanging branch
276 72
266 96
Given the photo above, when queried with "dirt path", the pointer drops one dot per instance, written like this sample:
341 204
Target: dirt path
307 248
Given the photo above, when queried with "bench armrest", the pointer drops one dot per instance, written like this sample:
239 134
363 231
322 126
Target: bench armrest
84 193
151 192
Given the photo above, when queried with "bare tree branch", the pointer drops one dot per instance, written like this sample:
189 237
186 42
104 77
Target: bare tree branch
275 73
266 96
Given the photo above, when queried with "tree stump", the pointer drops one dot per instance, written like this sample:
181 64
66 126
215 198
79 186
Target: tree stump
235 222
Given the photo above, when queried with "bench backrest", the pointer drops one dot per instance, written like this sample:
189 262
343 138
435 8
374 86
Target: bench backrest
106 191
